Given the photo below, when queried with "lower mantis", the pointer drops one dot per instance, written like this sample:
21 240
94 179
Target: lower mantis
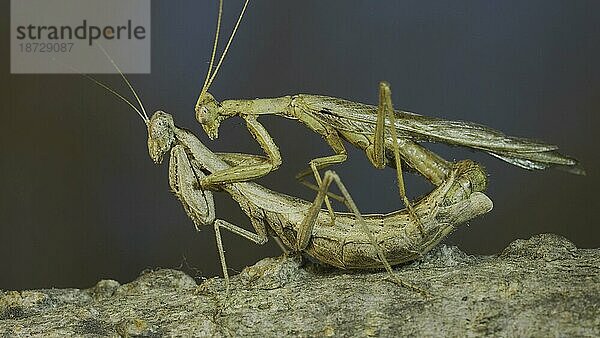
353 241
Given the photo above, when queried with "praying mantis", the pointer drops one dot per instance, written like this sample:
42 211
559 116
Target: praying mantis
387 136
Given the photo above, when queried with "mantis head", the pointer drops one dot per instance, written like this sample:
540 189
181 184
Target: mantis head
161 135
207 108
207 114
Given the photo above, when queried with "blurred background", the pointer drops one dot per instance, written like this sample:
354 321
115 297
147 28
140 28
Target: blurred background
82 201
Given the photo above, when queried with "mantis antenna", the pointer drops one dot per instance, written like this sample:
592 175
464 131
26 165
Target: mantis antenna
214 50
115 93
144 117
210 76
126 81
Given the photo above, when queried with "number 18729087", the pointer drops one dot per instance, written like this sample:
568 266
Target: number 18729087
46 47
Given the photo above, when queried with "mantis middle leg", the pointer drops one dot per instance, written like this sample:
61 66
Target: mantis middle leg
198 204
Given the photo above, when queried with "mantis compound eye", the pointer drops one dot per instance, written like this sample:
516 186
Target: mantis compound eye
203 115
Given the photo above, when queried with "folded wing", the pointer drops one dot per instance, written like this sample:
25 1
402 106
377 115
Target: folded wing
361 118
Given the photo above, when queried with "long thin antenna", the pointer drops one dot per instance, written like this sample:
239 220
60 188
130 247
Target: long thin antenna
105 86
125 79
214 73
214 52
237 24
144 117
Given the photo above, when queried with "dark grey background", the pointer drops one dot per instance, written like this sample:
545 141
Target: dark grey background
81 199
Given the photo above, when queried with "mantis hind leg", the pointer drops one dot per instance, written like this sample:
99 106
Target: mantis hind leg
432 166
376 153
306 228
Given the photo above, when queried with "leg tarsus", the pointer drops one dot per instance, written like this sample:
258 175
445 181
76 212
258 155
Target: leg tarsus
222 258
396 280
258 238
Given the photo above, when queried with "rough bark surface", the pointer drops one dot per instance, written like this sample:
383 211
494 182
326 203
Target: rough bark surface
543 286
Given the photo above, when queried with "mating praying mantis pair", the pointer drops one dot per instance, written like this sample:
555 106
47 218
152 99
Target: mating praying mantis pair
388 137
350 240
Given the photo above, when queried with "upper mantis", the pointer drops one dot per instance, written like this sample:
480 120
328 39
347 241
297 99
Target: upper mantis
386 135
